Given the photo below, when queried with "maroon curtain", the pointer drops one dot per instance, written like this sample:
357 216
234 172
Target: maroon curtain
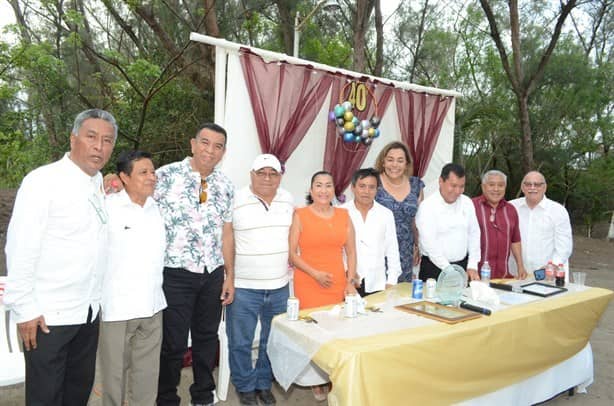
343 159
285 99
420 116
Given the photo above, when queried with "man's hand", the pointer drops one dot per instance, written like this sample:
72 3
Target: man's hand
473 275
522 273
228 291
28 329
112 183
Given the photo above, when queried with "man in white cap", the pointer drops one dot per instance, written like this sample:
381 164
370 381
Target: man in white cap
261 220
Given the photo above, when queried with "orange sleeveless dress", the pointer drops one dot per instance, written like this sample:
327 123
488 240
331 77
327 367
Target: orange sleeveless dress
321 245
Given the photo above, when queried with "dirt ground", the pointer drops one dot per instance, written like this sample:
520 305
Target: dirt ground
595 257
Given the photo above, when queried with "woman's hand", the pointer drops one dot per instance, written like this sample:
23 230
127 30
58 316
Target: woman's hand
324 279
350 289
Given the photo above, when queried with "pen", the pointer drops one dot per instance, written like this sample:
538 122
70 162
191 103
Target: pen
476 309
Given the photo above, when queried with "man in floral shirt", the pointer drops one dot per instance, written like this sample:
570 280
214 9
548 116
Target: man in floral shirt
196 201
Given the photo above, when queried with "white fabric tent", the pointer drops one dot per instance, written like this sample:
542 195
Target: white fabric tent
234 113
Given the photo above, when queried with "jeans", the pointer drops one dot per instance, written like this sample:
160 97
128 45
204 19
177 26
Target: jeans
193 304
241 318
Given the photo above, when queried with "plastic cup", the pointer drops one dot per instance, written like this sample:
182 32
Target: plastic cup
579 278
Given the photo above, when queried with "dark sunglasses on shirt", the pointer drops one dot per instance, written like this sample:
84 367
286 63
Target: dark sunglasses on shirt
540 274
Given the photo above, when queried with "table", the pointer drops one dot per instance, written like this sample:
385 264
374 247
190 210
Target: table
436 363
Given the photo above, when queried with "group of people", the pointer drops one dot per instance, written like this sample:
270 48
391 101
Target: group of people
142 268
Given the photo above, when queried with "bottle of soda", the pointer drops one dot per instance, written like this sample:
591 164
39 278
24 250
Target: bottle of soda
560 275
485 273
550 271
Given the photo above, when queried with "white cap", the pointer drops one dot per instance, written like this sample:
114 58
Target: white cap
266 160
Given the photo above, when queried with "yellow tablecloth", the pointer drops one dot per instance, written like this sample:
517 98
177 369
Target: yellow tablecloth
443 364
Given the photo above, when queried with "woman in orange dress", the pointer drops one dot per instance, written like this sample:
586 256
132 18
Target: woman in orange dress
319 236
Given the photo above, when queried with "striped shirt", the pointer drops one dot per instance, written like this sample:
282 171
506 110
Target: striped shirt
261 239
499 228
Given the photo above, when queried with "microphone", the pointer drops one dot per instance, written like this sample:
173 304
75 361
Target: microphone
477 309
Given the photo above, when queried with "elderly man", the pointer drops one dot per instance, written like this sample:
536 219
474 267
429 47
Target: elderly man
261 221
499 229
195 200
132 296
377 250
545 228
55 243
448 228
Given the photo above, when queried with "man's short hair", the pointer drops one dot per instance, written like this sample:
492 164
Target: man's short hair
213 127
94 113
126 160
451 167
493 172
365 173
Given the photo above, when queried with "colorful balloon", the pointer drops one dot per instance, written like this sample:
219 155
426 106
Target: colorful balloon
371 132
376 133
365 124
339 111
349 126
331 116
348 137
367 141
375 121
340 130
347 105
340 121
348 116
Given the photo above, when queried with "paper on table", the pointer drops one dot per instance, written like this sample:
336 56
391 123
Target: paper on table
511 298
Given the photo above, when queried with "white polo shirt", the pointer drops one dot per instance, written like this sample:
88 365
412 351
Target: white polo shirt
261 239
132 285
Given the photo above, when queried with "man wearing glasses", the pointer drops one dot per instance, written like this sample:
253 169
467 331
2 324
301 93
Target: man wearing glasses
262 217
545 228
54 248
195 200
499 229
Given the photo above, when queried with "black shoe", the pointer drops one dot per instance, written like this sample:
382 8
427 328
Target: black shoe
247 398
266 396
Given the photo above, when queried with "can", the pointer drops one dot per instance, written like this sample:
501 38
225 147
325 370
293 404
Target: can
429 290
351 305
292 308
416 291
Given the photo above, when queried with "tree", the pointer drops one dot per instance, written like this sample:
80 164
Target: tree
523 80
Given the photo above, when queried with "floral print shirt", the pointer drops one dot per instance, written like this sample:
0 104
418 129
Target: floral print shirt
193 230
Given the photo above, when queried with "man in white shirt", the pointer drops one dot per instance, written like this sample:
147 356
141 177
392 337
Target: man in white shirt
545 228
261 220
448 227
132 296
377 249
55 246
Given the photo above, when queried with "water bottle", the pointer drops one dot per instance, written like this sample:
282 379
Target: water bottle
485 273
550 272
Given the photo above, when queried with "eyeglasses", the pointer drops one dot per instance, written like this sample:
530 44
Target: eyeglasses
203 191
540 274
271 175
533 184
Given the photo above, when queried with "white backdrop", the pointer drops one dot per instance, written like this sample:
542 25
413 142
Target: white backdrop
243 145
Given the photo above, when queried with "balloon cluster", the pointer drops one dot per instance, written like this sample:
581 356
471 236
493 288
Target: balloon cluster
351 128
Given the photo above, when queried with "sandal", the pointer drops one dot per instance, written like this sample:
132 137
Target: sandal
320 392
